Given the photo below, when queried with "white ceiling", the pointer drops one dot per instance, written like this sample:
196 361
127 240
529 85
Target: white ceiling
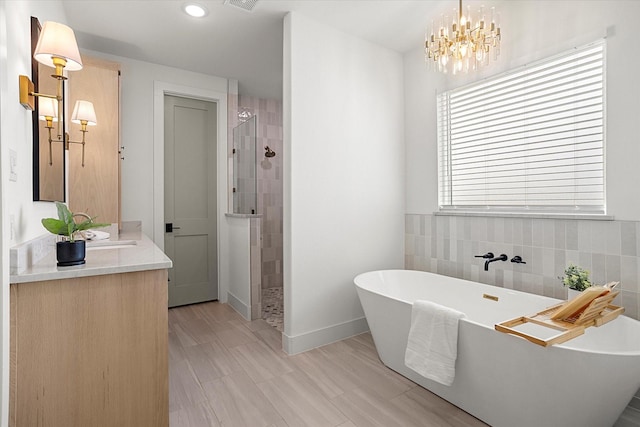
234 43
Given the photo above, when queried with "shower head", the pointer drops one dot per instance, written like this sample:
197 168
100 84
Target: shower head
269 152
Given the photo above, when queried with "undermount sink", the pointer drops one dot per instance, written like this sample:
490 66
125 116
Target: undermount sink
110 244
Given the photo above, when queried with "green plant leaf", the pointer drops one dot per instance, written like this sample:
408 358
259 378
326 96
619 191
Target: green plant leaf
576 278
64 214
88 223
65 225
55 226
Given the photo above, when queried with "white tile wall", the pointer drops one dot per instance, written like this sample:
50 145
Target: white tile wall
608 249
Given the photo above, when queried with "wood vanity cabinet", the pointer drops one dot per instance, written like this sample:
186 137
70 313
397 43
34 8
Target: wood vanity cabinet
95 188
90 351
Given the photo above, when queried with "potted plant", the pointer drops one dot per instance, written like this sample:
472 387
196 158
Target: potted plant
71 249
575 278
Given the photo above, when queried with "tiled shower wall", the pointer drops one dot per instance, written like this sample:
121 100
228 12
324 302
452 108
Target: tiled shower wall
608 249
270 188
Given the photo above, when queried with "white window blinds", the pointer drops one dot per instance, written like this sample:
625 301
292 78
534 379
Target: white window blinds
529 140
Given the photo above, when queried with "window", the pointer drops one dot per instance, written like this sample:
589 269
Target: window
530 140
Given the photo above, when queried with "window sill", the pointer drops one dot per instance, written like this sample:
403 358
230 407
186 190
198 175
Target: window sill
540 215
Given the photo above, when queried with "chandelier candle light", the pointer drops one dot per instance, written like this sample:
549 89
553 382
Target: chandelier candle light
464 45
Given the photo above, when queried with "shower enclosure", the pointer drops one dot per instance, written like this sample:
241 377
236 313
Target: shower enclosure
245 195
255 199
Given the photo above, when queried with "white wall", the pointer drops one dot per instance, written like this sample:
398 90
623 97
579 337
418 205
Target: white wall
137 111
4 227
143 85
4 243
136 118
343 176
16 120
240 265
15 134
534 30
137 134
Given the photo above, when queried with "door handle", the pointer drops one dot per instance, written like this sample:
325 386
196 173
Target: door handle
169 227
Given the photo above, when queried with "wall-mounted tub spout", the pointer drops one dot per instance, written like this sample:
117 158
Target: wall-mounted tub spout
502 257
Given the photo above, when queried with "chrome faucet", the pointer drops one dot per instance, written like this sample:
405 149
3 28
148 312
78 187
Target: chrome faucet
502 257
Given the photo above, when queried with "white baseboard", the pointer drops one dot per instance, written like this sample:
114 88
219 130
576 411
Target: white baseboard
310 340
239 306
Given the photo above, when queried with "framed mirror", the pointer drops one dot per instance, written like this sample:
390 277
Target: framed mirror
48 156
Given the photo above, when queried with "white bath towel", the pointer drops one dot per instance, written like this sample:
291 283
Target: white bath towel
432 348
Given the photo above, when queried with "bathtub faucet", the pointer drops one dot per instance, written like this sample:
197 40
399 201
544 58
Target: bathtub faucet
486 256
502 257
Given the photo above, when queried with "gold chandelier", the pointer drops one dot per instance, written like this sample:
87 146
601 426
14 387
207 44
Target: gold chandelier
465 44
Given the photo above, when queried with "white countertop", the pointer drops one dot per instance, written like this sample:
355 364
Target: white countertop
144 255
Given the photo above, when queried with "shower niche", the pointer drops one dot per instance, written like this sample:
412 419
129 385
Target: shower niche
245 181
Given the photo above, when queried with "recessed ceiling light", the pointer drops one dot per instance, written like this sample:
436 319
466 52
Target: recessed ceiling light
196 10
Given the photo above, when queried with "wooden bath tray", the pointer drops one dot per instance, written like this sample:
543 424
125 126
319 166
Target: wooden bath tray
597 313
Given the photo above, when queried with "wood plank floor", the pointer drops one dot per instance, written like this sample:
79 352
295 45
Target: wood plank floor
226 371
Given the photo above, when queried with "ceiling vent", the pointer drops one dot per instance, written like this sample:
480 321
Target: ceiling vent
246 5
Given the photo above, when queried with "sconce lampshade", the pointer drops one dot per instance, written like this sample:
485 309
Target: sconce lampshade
84 111
48 107
58 40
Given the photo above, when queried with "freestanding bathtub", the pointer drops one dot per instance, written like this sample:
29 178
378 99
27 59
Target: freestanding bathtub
502 379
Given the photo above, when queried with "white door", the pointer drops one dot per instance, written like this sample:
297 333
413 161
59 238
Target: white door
190 130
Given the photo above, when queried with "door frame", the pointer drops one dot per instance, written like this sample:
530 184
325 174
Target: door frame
160 89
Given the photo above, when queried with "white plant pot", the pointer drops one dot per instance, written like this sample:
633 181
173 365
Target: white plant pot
572 293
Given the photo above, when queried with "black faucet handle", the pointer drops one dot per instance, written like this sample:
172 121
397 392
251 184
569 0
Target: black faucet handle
488 255
517 259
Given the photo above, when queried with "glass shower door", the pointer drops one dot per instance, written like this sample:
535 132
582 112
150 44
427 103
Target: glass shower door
245 195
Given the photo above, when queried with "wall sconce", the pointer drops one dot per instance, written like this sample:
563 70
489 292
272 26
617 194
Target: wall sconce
57 48
48 109
83 114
